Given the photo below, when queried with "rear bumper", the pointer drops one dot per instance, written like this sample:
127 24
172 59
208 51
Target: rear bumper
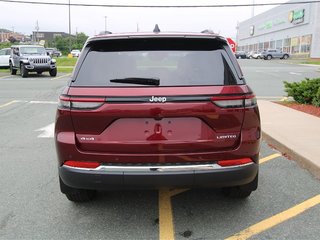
120 178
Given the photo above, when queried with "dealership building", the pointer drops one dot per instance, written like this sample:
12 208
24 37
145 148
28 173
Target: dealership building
293 28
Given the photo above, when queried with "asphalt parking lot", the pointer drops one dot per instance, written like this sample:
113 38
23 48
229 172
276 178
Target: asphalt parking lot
285 206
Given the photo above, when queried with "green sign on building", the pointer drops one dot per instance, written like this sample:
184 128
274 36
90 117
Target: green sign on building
296 16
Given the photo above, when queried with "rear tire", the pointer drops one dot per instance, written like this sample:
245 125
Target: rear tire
81 195
53 72
12 70
243 191
269 57
236 192
23 71
76 195
285 56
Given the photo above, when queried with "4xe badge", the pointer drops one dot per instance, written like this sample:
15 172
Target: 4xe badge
158 99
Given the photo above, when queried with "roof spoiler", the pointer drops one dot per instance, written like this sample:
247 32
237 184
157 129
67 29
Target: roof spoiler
209 31
156 29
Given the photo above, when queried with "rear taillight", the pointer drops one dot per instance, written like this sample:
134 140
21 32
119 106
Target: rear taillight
234 162
80 164
79 103
235 101
64 102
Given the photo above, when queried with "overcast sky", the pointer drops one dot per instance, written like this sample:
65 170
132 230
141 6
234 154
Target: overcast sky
23 17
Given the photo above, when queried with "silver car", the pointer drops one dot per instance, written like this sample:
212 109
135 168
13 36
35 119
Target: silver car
274 53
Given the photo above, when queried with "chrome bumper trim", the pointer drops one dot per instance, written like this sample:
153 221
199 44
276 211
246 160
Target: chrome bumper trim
179 168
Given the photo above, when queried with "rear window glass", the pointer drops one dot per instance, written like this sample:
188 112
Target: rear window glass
174 62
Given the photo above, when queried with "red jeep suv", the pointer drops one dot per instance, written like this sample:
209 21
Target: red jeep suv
150 110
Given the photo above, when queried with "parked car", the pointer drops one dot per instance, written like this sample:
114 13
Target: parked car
274 53
250 54
187 119
257 55
75 53
31 58
53 52
241 54
4 57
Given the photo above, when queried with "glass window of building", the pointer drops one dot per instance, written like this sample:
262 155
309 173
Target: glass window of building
305 43
295 45
272 44
279 44
286 45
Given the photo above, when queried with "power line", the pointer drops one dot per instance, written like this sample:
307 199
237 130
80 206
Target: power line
159 6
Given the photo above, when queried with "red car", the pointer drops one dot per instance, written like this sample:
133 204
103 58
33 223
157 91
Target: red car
150 110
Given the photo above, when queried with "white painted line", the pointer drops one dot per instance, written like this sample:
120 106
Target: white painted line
43 102
294 73
47 131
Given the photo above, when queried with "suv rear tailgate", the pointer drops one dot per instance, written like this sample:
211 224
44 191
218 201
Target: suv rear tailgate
128 123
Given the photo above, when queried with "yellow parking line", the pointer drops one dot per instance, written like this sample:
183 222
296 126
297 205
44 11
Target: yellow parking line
8 103
4 76
166 228
56 78
268 158
276 219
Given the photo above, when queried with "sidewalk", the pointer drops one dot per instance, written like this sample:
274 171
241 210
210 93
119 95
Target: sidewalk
292 132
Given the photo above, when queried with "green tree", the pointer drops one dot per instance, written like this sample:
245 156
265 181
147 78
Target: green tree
80 40
5 45
63 43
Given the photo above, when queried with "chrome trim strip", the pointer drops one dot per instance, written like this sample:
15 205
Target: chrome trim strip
149 169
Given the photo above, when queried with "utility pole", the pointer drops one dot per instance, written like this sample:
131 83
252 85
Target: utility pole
105 24
69 28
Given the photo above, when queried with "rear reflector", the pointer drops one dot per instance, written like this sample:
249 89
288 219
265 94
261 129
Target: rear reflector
235 162
235 101
85 103
80 164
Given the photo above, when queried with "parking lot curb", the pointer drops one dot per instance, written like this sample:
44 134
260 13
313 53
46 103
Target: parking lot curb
302 161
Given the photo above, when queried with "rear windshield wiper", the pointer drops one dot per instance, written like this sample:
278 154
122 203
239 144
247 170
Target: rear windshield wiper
138 80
